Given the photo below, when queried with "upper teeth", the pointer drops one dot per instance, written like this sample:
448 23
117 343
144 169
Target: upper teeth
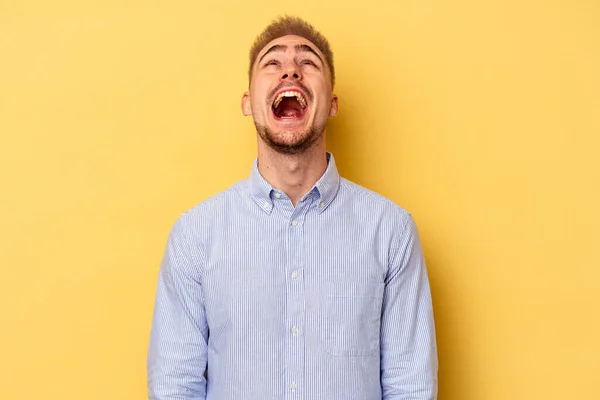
291 93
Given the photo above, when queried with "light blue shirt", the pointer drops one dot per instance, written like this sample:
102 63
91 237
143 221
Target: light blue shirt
327 300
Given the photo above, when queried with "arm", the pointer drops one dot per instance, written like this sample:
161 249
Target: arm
177 357
408 346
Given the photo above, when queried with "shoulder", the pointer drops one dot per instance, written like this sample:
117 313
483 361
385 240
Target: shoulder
375 203
209 212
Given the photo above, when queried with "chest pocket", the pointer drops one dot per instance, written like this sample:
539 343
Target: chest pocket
352 317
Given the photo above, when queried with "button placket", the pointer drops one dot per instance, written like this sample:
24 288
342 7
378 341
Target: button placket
296 298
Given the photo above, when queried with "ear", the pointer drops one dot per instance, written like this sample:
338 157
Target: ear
333 110
246 106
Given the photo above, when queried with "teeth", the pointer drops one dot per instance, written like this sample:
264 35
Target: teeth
295 94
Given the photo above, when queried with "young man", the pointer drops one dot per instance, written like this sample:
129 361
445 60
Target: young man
294 283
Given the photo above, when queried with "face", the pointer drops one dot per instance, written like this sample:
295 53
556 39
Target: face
290 96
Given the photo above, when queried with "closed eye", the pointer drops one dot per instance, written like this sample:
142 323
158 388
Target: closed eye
271 62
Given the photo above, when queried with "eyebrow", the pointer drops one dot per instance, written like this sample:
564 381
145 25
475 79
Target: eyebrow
307 48
277 47
298 47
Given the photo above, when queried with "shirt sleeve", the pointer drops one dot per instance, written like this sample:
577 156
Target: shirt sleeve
409 362
177 355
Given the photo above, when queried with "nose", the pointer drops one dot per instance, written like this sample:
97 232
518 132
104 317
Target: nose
291 72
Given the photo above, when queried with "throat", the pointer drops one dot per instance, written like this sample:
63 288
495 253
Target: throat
289 108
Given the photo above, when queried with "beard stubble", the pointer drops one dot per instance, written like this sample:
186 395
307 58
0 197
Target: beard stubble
303 142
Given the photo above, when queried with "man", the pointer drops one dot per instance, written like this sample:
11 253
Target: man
294 283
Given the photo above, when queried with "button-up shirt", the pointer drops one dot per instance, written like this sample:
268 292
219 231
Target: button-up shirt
258 299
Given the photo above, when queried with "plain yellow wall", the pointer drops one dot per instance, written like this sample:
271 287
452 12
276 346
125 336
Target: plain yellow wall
481 118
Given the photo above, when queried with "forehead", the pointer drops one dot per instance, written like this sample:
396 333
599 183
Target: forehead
290 41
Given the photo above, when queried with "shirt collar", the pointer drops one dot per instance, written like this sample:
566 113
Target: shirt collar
326 187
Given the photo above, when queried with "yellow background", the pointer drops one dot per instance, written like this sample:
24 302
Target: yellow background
481 118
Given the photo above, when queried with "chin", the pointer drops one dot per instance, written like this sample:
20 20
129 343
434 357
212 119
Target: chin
291 141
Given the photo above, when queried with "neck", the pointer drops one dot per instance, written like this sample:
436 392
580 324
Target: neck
294 174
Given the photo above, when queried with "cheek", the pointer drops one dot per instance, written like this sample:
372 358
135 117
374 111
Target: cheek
324 104
321 89
258 100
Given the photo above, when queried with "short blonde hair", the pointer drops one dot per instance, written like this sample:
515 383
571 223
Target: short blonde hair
287 25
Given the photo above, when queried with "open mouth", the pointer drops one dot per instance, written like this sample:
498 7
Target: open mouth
289 104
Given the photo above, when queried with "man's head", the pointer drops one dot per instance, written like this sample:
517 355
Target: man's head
291 26
290 92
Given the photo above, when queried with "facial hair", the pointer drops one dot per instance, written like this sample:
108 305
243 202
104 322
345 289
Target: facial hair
303 140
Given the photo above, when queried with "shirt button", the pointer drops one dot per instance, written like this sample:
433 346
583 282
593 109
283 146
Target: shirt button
294 275
294 330
321 204
278 195
294 223
293 386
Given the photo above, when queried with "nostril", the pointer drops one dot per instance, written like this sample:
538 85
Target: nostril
284 76
296 76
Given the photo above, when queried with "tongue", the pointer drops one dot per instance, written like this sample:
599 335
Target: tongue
289 108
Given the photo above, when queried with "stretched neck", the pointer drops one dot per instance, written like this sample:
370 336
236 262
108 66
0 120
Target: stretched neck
294 174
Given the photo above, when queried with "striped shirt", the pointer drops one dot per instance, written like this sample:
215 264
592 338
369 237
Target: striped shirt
258 299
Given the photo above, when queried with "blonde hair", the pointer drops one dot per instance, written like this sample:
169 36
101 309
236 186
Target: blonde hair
287 25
